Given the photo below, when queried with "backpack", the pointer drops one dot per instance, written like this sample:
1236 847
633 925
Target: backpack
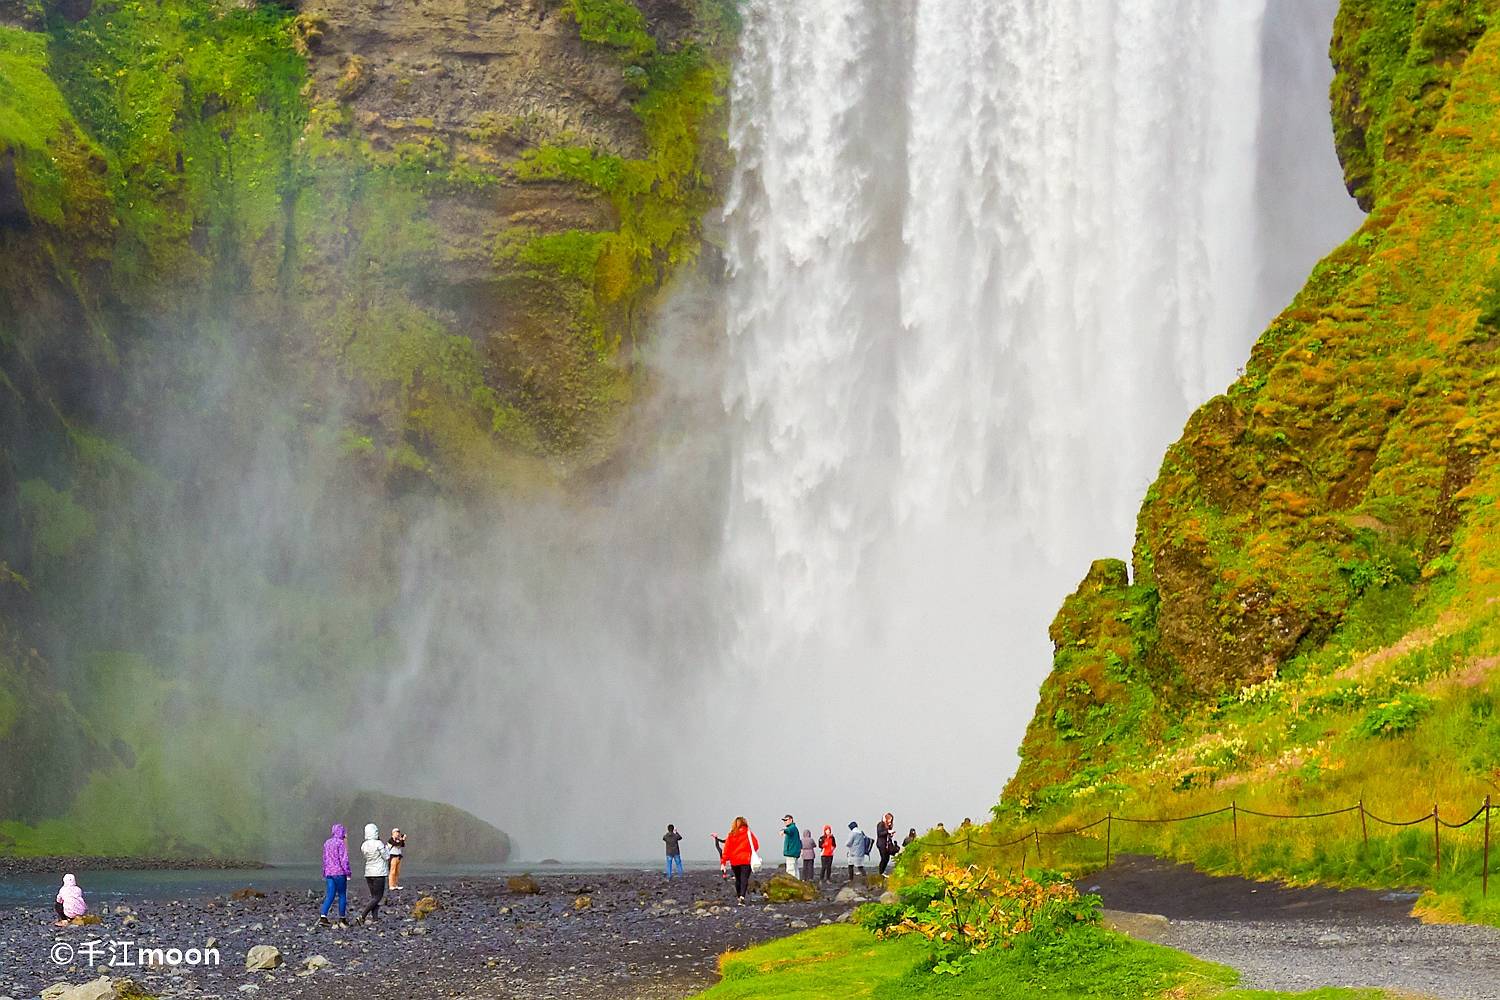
869 844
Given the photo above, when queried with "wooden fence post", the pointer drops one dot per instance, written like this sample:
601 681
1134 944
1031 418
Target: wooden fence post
1234 819
1437 844
1037 835
1109 824
1364 829
1485 879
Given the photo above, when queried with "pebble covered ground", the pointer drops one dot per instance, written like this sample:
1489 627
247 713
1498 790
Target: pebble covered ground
1291 938
600 936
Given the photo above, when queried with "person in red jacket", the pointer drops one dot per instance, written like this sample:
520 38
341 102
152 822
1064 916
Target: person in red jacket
739 848
827 844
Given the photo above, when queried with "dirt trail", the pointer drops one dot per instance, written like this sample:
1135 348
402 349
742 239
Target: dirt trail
1292 939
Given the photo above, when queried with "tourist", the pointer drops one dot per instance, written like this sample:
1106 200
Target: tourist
827 843
885 841
70 902
397 845
673 840
791 844
723 865
858 848
911 838
809 852
336 874
377 867
740 853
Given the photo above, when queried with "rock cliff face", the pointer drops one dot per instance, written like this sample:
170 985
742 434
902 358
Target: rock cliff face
1335 500
343 260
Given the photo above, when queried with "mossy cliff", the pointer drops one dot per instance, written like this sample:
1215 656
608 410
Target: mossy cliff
1317 555
273 277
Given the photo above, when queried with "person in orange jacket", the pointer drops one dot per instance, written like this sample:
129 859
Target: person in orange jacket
739 848
827 844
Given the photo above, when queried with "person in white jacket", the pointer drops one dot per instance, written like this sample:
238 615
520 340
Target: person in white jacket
377 867
858 848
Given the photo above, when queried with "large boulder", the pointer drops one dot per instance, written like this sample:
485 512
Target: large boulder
784 888
437 833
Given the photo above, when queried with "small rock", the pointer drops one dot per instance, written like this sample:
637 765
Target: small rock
247 893
800 925
314 962
848 894
212 942
248 988
129 920
87 920
263 956
523 885
425 907
57 991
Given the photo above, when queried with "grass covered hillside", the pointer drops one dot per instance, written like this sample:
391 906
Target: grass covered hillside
1312 612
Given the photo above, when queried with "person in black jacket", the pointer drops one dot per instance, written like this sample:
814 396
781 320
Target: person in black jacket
885 841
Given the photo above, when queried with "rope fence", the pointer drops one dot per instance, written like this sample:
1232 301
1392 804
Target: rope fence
968 841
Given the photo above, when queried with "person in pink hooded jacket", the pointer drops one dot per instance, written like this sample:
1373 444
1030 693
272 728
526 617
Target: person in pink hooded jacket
336 874
70 902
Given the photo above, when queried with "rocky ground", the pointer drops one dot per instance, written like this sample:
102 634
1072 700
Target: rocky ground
620 935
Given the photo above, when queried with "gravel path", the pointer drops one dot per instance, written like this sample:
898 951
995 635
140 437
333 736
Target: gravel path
1295 939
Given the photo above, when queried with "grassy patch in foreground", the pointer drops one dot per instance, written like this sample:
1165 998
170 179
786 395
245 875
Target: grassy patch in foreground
850 963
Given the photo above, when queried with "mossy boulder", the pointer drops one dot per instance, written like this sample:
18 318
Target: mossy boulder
425 907
523 885
783 888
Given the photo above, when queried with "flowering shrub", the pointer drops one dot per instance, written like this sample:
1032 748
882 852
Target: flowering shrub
970 910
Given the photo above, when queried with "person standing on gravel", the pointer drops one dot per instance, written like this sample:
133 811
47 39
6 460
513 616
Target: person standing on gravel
723 865
740 853
858 849
809 853
377 867
673 840
791 844
828 844
336 874
397 845
885 841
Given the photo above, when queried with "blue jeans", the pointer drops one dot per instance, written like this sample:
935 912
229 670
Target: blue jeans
338 885
674 859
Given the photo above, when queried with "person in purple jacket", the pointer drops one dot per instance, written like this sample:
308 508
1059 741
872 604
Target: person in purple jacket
336 875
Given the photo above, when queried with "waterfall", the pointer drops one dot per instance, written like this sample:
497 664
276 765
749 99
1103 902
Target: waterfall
984 261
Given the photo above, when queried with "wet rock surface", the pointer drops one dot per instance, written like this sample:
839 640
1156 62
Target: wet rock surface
640 936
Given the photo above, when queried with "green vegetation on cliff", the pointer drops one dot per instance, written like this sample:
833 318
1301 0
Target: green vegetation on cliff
235 287
1312 617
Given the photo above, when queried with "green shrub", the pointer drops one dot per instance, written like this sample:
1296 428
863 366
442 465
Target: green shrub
1399 715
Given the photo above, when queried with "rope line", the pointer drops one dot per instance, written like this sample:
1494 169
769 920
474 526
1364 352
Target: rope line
1317 815
1393 822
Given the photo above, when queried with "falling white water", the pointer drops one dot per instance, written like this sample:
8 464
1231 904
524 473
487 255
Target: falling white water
985 259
